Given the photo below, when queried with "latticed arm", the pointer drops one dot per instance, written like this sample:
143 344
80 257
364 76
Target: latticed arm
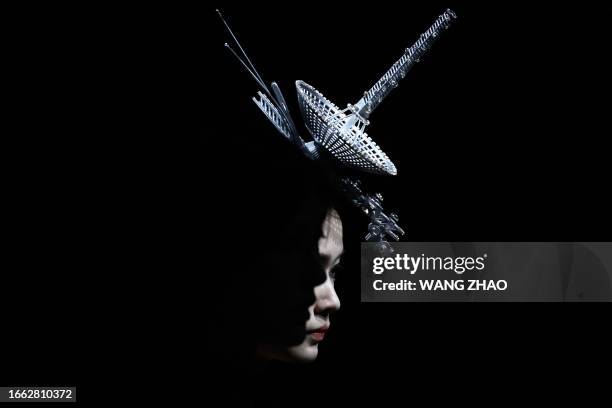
373 97
273 115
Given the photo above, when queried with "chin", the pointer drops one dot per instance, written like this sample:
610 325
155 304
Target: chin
304 353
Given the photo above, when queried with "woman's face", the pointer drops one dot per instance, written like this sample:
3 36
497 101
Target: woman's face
326 300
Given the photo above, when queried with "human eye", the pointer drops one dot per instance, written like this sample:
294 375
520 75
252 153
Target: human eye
334 271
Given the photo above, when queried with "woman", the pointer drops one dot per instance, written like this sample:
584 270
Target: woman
330 248
278 298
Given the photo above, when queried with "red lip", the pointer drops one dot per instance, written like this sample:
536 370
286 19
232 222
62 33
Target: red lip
319 334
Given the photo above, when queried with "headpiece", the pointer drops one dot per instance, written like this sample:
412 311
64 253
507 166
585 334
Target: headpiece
340 133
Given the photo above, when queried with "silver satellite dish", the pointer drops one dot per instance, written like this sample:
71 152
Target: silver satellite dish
341 132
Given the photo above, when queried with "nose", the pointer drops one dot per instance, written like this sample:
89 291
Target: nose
327 300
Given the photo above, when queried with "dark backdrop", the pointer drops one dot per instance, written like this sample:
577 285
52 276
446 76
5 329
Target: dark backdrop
127 179
499 134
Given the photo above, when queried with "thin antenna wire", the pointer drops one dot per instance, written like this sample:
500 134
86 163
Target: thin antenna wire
242 50
258 80
245 65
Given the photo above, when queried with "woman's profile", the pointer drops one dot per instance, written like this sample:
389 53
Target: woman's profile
328 251
276 301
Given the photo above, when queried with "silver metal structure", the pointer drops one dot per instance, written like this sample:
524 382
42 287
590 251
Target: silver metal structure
341 132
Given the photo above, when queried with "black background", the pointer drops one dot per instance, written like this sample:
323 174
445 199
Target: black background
498 135
130 122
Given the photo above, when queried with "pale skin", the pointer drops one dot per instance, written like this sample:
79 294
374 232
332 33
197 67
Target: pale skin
326 300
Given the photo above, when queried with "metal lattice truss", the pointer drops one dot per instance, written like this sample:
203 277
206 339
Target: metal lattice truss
273 115
373 97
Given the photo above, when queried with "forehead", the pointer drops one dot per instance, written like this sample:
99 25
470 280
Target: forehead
330 243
